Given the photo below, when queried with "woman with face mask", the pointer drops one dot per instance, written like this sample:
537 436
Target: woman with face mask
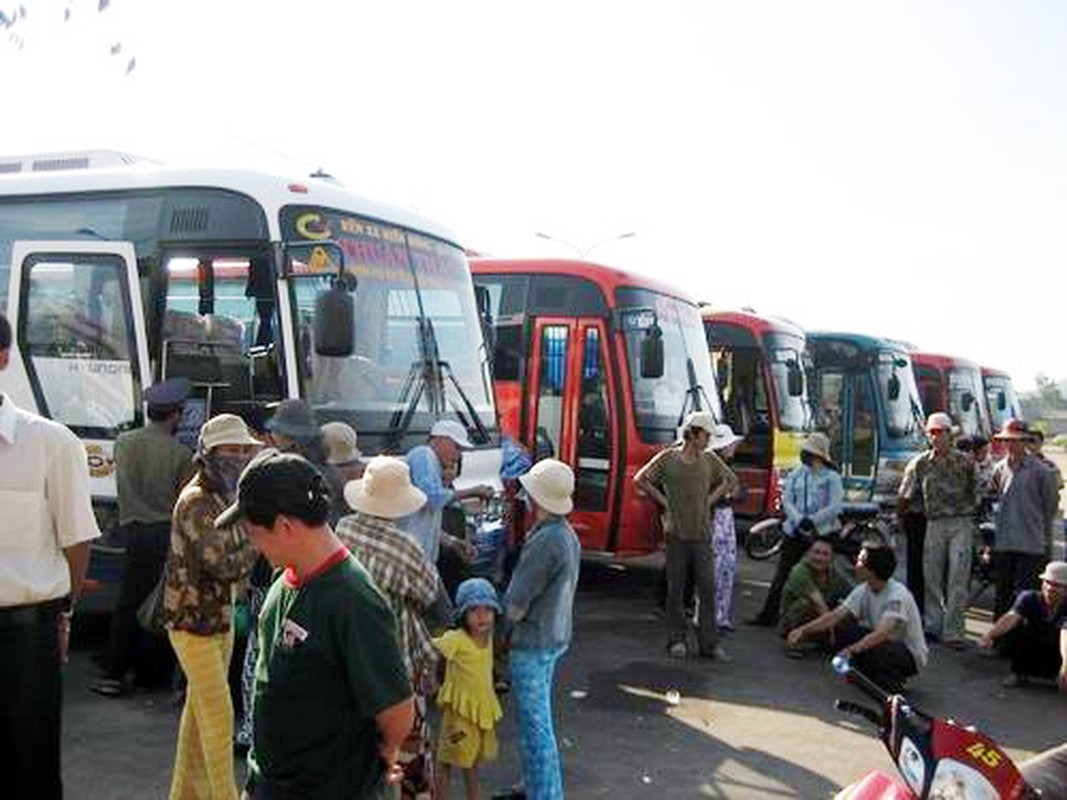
204 567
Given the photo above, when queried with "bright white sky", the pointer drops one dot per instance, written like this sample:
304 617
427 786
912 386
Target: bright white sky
893 168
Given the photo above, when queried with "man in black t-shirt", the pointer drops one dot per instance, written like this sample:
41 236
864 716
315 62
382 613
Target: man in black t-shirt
1036 631
332 698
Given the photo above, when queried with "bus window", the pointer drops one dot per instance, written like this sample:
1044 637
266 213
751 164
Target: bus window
594 432
76 332
219 330
863 429
550 391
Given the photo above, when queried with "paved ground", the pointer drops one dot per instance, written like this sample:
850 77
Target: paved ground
760 726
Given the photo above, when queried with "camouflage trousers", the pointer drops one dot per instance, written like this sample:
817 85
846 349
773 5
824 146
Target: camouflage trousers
947 575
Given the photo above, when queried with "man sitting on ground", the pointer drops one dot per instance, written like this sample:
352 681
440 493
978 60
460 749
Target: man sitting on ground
813 587
878 626
1035 631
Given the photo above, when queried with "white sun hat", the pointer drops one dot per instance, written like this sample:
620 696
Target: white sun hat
722 437
700 419
451 429
385 490
226 429
550 483
340 440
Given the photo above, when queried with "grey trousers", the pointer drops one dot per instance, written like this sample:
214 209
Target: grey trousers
696 558
947 574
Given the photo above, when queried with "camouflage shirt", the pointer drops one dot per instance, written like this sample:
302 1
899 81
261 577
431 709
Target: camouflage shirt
948 484
204 564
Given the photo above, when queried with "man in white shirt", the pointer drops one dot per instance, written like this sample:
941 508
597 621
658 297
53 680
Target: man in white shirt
878 626
46 524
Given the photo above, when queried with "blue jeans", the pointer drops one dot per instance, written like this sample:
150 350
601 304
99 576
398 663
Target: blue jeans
532 675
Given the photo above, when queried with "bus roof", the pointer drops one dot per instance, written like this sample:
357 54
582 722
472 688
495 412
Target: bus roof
941 362
753 322
607 278
861 340
991 372
271 191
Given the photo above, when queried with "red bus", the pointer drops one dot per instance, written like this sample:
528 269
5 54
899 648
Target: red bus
759 368
596 367
952 385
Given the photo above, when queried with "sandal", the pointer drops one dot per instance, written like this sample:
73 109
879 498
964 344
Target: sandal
106 687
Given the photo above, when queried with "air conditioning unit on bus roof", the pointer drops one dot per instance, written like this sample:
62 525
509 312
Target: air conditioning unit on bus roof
54 162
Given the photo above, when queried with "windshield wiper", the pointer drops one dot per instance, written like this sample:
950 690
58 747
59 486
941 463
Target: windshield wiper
478 427
694 391
424 377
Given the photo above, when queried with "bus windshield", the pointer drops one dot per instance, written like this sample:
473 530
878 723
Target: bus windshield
900 397
414 302
964 391
687 384
784 349
1002 400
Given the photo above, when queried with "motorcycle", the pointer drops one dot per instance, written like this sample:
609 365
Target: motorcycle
860 522
938 759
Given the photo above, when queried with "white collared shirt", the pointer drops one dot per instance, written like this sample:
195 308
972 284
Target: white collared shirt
45 505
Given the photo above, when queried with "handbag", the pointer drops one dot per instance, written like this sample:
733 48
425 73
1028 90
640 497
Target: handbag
150 612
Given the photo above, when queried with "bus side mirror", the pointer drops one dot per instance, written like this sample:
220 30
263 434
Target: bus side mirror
652 352
966 401
893 387
1002 401
335 322
794 379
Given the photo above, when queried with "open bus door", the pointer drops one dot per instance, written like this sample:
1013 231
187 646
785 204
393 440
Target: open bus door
569 413
80 354
846 411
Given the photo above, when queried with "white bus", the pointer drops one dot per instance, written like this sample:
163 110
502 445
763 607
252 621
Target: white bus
256 287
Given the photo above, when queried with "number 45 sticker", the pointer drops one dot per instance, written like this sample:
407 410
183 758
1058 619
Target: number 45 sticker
985 754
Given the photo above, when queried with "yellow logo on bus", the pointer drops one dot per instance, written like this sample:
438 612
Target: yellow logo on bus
312 226
101 464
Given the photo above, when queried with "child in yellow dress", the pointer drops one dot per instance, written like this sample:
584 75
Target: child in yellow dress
471 708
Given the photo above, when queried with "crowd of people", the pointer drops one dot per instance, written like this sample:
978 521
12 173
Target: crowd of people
365 676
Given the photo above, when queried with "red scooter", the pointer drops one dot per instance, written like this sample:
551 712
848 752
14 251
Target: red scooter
938 758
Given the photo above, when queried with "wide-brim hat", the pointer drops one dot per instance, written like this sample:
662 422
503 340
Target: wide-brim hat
340 443
1055 572
226 429
551 485
1013 429
385 490
818 445
722 437
295 419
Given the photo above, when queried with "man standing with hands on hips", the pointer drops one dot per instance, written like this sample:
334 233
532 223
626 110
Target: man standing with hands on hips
46 524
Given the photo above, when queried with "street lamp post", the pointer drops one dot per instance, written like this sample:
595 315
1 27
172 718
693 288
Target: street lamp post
584 251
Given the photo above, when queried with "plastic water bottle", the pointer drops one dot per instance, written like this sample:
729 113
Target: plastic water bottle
840 664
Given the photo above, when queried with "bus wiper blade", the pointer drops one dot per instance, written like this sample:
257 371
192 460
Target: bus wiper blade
414 386
694 391
479 426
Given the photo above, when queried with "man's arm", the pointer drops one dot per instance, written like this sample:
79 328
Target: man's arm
648 474
727 480
837 499
394 724
823 622
1007 622
77 556
878 636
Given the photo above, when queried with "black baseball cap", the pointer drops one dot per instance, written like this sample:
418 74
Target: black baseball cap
276 483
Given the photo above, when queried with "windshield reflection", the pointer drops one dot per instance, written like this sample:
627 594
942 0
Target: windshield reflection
794 411
687 383
413 301
903 408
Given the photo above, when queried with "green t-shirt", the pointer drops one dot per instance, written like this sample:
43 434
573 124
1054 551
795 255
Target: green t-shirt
687 487
329 661
803 580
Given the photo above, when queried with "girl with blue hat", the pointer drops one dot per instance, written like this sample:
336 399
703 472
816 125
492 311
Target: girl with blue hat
471 707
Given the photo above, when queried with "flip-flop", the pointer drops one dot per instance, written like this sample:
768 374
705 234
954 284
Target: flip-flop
107 687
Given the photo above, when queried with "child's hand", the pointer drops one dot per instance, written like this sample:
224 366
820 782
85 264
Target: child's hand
394 773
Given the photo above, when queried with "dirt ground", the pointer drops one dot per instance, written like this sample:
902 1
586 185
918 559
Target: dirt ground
759 726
